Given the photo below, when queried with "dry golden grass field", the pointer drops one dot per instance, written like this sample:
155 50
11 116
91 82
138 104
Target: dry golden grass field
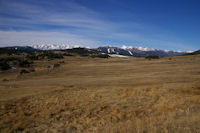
95 95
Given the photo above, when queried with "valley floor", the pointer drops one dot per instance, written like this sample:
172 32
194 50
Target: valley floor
103 95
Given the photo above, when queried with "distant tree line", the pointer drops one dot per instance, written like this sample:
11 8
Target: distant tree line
29 55
152 57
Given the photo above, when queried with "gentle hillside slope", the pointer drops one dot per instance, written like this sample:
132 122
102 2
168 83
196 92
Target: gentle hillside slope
103 95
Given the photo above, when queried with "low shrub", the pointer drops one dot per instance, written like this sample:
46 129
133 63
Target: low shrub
53 56
23 71
5 80
25 63
56 65
4 66
67 54
32 57
62 62
45 55
9 59
32 70
103 56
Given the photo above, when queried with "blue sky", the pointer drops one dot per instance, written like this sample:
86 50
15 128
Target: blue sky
160 24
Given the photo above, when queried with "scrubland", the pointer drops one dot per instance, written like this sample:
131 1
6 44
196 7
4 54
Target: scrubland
95 95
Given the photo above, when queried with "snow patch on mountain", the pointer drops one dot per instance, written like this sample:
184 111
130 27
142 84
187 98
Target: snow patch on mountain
126 47
185 51
138 48
145 49
150 49
53 46
116 55
108 50
130 53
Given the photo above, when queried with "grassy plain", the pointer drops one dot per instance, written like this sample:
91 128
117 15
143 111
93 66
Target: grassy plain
114 95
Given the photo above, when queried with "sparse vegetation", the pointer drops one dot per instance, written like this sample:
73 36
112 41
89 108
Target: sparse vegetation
101 56
20 60
4 65
56 65
54 56
23 71
7 59
32 57
100 95
46 55
62 62
5 80
32 70
25 63
67 54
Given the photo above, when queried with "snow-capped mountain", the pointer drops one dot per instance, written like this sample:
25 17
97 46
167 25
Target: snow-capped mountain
138 51
139 48
53 47
124 50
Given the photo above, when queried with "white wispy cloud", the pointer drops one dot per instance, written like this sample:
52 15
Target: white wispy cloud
83 21
19 38
78 25
63 14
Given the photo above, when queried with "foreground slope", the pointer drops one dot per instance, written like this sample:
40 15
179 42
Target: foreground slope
103 95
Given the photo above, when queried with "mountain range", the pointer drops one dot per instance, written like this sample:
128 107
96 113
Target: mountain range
124 50
139 51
